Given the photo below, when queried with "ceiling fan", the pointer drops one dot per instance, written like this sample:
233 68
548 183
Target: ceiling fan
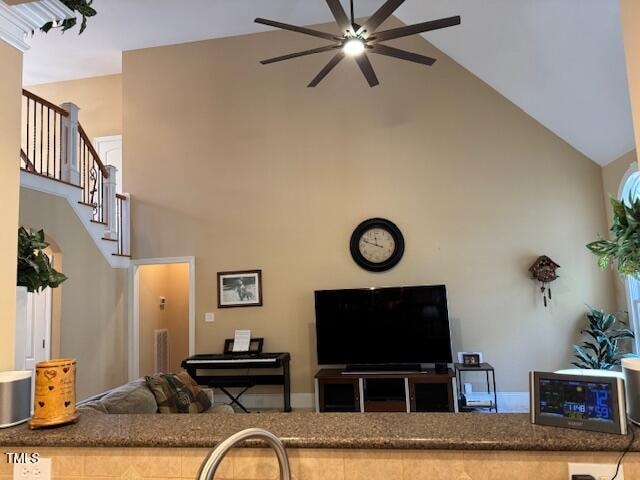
356 40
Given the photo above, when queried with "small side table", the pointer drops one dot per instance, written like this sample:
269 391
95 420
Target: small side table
483 367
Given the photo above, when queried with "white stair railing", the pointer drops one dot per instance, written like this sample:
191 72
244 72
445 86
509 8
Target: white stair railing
111 210
56 146
69 145
123 209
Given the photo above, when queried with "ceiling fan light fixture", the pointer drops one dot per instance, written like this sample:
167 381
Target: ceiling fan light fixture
353 47
358 41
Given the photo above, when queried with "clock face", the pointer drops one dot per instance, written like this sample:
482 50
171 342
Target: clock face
377 245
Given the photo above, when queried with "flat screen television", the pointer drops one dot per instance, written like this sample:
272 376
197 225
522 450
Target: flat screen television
383 326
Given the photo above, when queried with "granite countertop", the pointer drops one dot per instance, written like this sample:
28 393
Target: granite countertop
442 431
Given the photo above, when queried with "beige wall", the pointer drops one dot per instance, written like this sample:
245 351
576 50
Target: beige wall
172 282
244 167
178 314
99 99
10 84
630 14
319 464
93 299
612 175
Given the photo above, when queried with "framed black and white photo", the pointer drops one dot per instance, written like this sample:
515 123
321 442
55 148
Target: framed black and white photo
240 289
470 359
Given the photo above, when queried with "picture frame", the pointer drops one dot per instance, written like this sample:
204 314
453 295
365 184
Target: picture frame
240 289
470 359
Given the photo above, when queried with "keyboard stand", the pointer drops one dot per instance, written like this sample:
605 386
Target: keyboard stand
235 399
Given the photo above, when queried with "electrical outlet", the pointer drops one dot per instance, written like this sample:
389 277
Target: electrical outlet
599 471
209 317
33 471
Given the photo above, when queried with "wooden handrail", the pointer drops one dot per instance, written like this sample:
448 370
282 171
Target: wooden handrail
92 150
30 166
44 102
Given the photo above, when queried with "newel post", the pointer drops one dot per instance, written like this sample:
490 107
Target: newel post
69 144
111 209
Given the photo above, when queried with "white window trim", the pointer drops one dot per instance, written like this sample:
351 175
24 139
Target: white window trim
631 285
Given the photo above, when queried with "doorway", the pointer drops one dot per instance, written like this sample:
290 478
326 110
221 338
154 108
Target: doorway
162 330
37 334
33 342
110 151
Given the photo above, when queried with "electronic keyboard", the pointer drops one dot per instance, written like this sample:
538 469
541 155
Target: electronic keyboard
202 360
202 368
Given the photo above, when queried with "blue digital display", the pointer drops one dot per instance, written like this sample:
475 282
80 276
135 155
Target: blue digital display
576 400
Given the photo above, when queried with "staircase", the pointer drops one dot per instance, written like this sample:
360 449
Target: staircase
58 158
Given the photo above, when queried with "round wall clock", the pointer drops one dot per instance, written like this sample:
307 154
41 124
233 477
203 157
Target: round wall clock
377 245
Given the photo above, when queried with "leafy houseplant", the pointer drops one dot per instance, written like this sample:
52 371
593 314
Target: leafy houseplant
34 267
624 249
601 350
83 7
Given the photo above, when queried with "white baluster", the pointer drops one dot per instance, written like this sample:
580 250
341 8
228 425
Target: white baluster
110 207
69 144
126 225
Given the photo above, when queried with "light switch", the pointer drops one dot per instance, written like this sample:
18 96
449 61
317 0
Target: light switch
209 317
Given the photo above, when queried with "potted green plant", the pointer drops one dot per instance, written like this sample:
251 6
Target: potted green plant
35 272
623 249
601 349
83 7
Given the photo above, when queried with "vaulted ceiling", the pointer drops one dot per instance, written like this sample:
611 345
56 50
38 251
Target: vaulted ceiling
561 61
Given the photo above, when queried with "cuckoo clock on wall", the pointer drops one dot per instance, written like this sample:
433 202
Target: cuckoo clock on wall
544 271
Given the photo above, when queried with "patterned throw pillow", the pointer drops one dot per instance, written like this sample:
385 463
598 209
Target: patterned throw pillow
177 393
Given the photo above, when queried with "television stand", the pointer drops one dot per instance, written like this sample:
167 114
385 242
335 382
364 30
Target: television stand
340 391
382 368
441 367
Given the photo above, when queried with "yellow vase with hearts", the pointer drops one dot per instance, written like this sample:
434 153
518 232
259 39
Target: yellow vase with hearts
55 393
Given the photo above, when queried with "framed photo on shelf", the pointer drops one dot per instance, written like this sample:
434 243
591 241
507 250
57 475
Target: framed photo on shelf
240 289
470 359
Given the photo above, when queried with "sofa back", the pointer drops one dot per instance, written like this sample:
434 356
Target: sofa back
133 397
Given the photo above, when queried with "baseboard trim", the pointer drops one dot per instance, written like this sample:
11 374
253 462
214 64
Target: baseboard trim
508 402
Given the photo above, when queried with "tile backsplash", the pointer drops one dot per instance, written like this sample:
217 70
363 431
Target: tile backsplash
320 464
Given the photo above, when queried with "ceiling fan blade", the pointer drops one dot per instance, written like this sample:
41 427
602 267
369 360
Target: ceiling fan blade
375 20
401 54
299 54
417 28
328 67
341 16
367 69
294 28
